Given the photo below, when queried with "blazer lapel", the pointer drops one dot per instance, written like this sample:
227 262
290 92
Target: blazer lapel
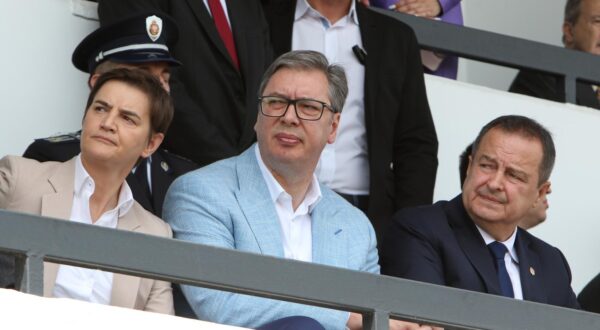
472 244
372 43
206 21
58 205
528 264
328 243
260 212
125 287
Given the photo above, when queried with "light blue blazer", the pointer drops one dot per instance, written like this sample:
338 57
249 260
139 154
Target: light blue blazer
227 204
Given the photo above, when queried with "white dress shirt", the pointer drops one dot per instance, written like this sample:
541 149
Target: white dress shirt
296 225
510 259
224 5
82 283
344 165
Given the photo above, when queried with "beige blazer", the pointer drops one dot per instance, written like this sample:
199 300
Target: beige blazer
46 189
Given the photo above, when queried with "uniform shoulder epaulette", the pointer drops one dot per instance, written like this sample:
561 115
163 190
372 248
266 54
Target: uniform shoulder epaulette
62 138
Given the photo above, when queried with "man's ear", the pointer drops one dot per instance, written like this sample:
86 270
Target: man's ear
93 79
544 190
153 144
567 38
335 123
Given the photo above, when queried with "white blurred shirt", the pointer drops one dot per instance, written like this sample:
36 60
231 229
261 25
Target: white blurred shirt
344 165
82 283
296 226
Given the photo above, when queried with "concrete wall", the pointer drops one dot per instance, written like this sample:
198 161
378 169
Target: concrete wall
42 93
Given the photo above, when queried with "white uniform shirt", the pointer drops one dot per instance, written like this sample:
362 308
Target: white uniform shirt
296 226
344 165
510 259
82 283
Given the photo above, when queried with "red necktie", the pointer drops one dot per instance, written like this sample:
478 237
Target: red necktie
223 28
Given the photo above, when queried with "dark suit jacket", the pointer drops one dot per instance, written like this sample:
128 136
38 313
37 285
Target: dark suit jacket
549 87
589 297
165 167
215 104
440 244
401 139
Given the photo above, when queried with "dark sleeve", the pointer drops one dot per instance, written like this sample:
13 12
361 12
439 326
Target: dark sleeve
43 150
408 251
571 300
589 297
538 84
415 140
110 11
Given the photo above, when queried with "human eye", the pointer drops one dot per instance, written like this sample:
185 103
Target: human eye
128 120
276 102
310 105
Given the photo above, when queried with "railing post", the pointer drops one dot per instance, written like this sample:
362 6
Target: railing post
378 320
29 273
570 89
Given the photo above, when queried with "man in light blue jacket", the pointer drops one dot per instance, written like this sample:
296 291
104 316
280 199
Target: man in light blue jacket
267 200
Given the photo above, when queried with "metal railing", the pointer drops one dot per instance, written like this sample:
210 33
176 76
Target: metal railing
377 297
504 50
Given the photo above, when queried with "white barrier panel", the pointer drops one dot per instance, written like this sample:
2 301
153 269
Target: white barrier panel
24 311
460 110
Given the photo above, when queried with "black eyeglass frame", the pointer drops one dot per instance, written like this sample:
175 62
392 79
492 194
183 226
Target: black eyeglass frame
294 101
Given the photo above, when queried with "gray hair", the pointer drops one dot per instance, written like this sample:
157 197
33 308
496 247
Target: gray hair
572 11
528 128
308 60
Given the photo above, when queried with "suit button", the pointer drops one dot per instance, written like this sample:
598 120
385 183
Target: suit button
392 166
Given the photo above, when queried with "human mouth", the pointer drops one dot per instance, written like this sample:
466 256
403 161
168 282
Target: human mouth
104 140
288 139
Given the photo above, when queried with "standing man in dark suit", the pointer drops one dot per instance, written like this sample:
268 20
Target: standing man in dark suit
473 242
581 31
385 157
225 48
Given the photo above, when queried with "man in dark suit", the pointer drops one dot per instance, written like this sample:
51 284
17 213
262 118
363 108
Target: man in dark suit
386 153
473 242
215 98
580 32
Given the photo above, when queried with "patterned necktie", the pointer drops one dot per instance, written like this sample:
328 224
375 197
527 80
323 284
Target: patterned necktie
224 30
498 251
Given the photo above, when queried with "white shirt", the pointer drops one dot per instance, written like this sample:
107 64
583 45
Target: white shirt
510 259
82 283
224 5
344 165
296 226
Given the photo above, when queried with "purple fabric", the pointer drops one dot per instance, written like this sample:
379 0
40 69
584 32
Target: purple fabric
452 13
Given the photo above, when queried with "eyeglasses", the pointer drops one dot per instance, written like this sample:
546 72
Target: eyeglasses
306 109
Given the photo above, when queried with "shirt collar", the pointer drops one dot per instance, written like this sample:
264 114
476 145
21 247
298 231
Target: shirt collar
303 9
83 178
509 243
313 194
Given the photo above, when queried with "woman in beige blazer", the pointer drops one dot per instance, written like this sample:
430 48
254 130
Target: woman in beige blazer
126 117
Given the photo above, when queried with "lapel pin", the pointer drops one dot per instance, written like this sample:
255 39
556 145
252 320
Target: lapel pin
532 271
164 166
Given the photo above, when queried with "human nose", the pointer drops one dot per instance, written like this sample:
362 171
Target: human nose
108 122
291 116
495 181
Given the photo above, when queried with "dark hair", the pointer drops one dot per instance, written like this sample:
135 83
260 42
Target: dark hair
161 106
308 60
463 163
572 11
527 128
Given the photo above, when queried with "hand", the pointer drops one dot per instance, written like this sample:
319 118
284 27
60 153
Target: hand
404 325
423 8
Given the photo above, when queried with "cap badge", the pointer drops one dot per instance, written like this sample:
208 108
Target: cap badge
153 27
